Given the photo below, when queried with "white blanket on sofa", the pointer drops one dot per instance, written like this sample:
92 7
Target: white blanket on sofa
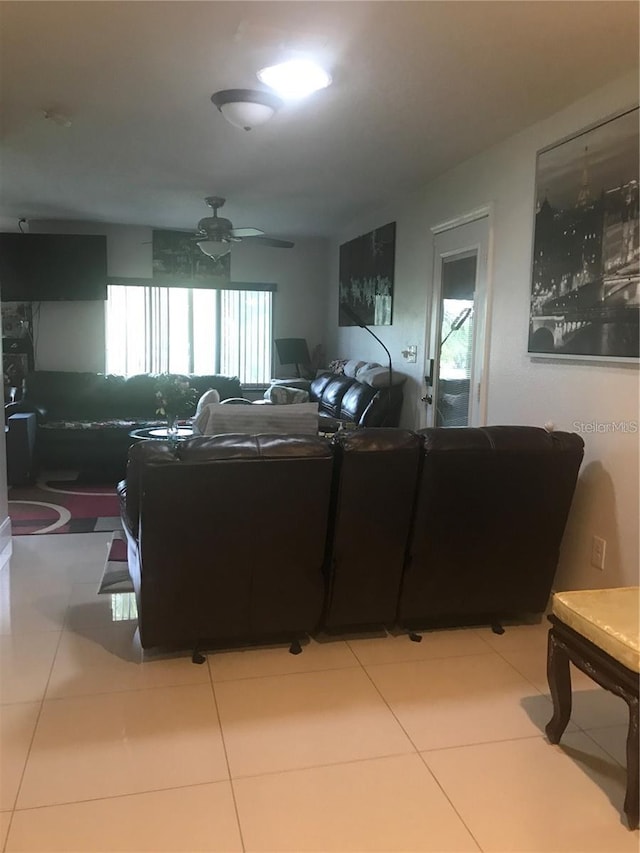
219 418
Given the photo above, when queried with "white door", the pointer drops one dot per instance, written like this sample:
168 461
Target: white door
455 366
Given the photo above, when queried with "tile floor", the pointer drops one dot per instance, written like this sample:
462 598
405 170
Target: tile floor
362 744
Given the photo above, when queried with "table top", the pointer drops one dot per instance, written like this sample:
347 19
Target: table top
160 434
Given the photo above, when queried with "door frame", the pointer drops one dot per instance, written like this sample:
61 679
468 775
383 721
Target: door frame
431 326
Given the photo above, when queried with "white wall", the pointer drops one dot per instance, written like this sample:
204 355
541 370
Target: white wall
520 389
71 335
301 274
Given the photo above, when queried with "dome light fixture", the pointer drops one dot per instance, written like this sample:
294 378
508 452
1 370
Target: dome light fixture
215 249
246 108
296 78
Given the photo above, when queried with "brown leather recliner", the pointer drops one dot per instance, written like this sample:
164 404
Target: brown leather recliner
374 490
227 537
491 509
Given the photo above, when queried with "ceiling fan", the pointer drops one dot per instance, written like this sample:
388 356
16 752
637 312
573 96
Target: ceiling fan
216 234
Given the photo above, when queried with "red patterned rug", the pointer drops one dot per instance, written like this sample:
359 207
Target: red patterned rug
63 506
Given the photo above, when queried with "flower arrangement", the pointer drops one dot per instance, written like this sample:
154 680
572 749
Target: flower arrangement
174 396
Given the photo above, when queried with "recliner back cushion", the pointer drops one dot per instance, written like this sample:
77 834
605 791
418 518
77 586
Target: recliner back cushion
334 391
490 514
213 538
74 395
356 400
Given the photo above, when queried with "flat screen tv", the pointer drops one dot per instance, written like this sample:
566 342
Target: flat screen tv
45 267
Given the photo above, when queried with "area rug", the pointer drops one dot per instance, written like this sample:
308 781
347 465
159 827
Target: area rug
115 577
63 506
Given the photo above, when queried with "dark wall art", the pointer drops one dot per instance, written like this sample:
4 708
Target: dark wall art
366 276
178 260
585 288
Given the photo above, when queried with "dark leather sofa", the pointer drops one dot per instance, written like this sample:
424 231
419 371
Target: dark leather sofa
342 398
84 419
241 538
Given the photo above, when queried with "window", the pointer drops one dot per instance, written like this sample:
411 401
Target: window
183 330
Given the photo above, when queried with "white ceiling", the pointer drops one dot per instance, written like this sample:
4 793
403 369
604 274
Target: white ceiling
418 87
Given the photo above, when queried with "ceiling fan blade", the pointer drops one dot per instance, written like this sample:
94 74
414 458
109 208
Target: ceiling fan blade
246 232
271 241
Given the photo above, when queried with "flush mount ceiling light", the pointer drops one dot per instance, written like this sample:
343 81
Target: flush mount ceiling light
296 78
246 108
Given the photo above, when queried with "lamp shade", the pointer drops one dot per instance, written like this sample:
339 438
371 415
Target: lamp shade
292 350
214 248
246 108
246 115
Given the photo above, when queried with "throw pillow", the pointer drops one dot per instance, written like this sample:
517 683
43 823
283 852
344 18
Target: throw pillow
337 365
352 367
210 396
378 377
281 394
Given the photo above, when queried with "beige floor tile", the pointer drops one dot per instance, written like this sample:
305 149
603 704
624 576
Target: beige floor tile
518 638
386 804
25 664
5 820
122 743
527 795
17 724
68 558
112 659
200 817
434 644
88 610
276 660
532 664
613 740
459 700
596 708
292 721
42 611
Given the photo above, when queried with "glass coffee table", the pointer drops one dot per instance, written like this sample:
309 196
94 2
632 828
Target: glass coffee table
160 434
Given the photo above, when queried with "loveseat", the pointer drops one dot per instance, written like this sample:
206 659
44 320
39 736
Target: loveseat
238 538
84 419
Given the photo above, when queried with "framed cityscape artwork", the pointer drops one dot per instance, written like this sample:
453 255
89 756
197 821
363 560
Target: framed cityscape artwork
585 282
367 266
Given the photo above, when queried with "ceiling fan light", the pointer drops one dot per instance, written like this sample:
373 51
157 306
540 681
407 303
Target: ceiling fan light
296 78
214 248
246 108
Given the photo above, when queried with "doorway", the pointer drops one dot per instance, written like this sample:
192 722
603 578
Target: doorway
455 396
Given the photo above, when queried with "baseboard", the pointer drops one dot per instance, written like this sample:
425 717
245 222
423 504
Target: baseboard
6 543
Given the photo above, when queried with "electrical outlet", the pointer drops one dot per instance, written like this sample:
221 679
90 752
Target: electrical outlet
598 550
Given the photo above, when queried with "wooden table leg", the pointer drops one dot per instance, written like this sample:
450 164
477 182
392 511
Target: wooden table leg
632 797
559 677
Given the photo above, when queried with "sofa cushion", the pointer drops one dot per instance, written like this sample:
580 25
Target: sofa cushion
356 400
606 617
332 394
